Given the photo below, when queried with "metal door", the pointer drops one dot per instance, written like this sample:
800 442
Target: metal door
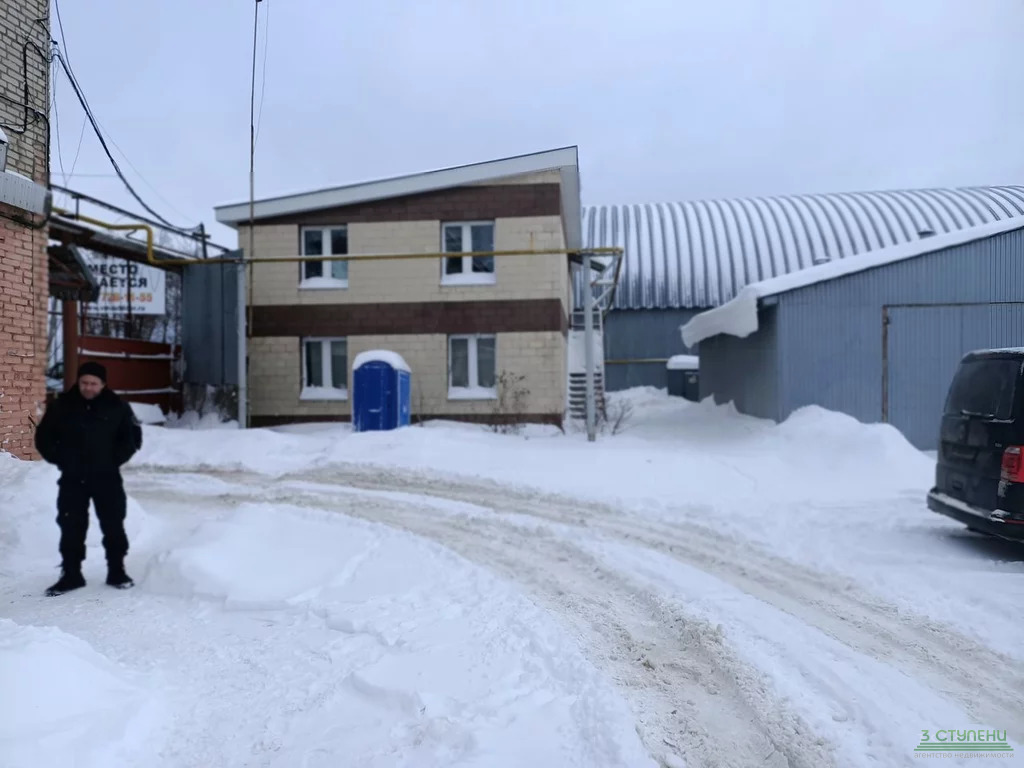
369 402
922 346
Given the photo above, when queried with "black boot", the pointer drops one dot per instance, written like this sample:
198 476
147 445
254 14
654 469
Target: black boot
70 578
116 577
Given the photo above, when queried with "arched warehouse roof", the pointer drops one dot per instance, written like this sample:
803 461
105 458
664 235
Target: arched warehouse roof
700 254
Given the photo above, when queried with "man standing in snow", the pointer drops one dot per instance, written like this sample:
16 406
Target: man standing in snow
89 433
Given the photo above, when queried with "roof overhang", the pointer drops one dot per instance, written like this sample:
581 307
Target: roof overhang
70 277
739 316
565 160
71 232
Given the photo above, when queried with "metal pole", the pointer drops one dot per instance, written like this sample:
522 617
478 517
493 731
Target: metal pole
243 303
588 340
243 387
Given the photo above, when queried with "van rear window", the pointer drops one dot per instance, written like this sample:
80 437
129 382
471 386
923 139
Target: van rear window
985 388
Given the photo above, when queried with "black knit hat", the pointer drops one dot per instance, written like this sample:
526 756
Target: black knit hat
93 369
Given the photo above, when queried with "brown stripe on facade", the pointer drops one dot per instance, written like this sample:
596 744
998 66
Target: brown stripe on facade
499 201
554 419
499 316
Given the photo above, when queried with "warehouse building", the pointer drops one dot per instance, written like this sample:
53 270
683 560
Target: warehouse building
877 337
682 259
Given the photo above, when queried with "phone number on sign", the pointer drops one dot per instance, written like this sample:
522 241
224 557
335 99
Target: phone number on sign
137 298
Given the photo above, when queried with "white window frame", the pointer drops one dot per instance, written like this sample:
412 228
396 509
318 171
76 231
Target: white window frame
467 276
322 283
325 393
472 392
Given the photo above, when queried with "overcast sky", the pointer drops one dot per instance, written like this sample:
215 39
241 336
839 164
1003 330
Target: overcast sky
667 99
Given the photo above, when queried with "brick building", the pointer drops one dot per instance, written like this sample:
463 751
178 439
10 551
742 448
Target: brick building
24 178
460 322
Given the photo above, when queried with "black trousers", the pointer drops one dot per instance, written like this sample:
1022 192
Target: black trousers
108 497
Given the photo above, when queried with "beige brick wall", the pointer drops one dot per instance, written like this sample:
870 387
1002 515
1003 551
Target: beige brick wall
275 377
517 277
23 265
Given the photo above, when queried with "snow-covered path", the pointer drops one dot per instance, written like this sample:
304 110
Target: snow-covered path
729 656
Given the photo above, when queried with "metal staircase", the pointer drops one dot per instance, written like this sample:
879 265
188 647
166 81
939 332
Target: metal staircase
597 288
577 367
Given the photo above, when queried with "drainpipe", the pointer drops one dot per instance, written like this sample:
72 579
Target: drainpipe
243 374
588 340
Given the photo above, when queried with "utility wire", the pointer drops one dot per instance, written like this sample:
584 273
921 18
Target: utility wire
106 149
61 56
81 133
56 122
263 77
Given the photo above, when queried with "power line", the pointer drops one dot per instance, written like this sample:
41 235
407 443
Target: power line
56 122
61 57
106 149
263 77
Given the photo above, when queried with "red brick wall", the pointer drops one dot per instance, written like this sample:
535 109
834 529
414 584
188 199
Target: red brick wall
23 292
23 264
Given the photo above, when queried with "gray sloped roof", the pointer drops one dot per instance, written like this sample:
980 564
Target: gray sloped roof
700 254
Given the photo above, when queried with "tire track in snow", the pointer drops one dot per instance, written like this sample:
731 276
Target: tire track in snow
690 693
987 684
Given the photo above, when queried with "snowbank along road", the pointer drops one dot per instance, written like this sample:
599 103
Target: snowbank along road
657 607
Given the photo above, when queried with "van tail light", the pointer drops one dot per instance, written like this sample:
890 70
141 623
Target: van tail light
1012 470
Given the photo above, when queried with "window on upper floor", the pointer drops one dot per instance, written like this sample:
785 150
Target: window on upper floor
472 367
324 369
467 237
324 241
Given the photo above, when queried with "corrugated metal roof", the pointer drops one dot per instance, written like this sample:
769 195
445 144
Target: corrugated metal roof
700 254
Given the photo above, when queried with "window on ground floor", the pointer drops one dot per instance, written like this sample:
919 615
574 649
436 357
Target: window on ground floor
467 237
324 369
471 367
324 241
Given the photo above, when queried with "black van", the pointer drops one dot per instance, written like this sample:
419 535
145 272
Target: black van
979 477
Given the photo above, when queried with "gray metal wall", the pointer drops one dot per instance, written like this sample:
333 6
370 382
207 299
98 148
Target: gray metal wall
209 324
642 334
832 351
745 371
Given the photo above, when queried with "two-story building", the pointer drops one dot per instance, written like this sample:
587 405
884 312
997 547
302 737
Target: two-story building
484 336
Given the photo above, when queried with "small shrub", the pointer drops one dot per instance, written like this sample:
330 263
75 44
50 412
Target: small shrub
511 403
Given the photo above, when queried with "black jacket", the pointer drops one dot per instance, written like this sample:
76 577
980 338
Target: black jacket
85 438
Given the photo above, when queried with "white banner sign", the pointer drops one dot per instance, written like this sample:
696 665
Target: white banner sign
119 278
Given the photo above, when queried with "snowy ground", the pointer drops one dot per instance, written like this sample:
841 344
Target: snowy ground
703 589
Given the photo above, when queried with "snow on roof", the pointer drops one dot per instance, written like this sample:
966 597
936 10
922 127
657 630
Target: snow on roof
701 254
393 359
683 363
738 317
565 160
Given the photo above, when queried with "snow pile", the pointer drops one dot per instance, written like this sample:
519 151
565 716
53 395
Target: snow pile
147 413
227 559
683 363
65 704
28 529
820 488
393 359
433 662
193 420
669 448
286 636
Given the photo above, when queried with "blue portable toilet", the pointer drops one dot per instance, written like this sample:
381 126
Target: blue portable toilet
381 391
